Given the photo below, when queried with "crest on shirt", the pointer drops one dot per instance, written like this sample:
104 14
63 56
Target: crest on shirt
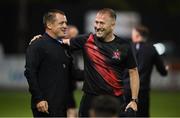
116 54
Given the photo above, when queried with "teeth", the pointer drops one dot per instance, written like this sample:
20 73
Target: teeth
99 31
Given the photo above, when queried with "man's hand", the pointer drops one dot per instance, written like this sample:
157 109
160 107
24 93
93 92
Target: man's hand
66 41
34 38
132 105
42 106
167 67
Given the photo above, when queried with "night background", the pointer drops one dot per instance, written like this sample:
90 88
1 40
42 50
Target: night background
20 20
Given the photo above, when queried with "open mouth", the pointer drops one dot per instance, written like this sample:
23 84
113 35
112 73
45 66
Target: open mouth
99 31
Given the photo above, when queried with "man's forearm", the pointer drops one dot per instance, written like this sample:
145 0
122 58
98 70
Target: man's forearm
134 82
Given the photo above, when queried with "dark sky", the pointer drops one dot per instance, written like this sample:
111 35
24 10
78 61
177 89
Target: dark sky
161 16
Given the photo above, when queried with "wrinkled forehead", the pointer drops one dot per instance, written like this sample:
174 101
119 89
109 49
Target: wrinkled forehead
102 15
59 17
62 16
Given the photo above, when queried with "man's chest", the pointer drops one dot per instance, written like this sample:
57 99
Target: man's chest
55 53
111 53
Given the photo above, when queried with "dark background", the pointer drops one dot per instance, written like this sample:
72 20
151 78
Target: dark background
20 20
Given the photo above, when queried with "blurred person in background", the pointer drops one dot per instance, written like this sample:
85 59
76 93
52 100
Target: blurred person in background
72 32
47 69
104 106
147 57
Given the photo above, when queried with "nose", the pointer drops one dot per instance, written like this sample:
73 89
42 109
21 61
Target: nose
98 25
65 25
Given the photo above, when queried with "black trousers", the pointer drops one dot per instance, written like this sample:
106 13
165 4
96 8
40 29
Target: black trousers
52 113
86 102
143 102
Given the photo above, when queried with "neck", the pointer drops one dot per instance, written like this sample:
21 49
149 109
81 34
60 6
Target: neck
51 34
109 38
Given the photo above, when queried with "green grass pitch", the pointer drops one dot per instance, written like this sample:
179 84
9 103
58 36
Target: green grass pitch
17 104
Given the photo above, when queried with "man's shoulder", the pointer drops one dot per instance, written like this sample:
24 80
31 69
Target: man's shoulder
39 42
80 38
122 40
85 36
149 45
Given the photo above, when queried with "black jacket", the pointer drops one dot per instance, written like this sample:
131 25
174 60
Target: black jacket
47 69
147 57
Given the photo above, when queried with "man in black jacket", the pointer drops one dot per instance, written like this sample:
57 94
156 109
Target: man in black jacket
47 68
147 57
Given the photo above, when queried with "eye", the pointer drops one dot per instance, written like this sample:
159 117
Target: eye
99 22
96 22
64 22
102 23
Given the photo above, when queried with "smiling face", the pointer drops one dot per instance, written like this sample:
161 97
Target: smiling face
58 26
104 25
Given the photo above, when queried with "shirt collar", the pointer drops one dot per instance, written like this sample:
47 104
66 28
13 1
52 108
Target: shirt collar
60 41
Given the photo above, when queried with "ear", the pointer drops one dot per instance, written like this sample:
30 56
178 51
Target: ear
49 25
113 25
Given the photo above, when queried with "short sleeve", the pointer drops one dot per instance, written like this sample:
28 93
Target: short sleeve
130 58
78 42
